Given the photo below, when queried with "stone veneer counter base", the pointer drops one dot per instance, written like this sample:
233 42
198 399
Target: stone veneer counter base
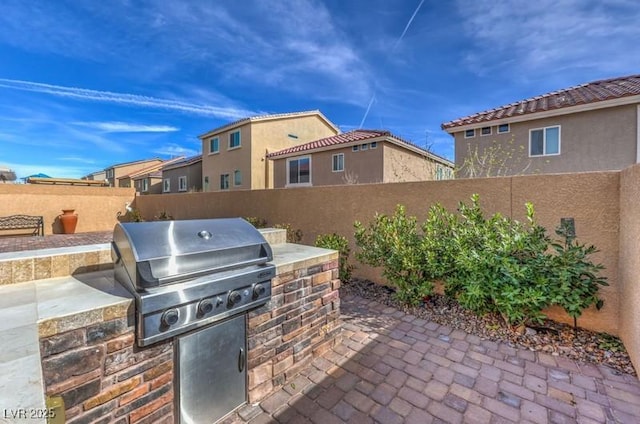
74 337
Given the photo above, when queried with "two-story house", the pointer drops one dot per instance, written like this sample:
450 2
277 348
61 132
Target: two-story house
147 180
114 172
589 127
234 155
182 176
357 157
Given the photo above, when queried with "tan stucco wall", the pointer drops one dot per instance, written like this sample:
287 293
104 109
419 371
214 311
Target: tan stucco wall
97 207
629 262
227 161
590 198
401 165
257 139
597 140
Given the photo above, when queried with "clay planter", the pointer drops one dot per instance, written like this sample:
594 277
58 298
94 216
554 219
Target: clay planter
68 219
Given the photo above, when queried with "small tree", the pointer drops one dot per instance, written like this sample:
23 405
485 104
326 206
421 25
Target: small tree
496 160
341 244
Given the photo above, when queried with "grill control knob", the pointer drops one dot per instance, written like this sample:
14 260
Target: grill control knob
170 317
233 298
205 306
258 290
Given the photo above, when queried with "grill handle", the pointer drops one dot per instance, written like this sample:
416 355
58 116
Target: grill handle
241 360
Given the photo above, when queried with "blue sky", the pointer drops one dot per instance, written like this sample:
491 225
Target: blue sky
86 84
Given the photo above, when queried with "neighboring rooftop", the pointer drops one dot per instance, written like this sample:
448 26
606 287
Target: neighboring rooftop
118 165
623 89
355 137
275 116
183 162
156 167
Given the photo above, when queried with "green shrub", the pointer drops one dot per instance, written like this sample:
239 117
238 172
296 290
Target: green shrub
490 265
500 265
393 243
576 279
256 222
341 244
293 235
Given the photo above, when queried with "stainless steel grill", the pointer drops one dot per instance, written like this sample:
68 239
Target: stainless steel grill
193 280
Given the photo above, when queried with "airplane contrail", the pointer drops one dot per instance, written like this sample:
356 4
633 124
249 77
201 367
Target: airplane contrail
395 46
124 98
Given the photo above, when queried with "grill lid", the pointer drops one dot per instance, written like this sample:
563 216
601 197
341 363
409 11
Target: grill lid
162 252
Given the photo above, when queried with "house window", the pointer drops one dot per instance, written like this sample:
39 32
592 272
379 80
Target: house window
145 185
544 141
374 144
503 128
338 162
234 139
469 133
206 183
214 145
355 148
182 183
237 177
224 181
364 147
166 185
485 131
299 171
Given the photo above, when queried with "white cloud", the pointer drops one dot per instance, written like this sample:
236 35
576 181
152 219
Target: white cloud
126 127
174 150
537 38
124 98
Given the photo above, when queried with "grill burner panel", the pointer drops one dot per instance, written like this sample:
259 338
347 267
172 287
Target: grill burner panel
188 274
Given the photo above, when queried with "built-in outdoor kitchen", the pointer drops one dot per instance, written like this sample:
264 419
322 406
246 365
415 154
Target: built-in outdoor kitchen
174 321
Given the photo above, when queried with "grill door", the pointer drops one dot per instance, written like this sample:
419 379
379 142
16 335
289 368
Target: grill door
212 371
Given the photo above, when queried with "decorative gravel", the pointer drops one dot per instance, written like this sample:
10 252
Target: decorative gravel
550 337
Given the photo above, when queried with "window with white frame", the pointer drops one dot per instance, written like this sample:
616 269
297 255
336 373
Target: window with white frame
485 131
374 144
166 185
544 141
224 181
355 148
469 133
237 177
145 185
214 145
338 162
234 139
299 171
364 146
182 183
503 128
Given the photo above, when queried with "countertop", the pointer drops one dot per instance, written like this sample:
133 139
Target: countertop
50 306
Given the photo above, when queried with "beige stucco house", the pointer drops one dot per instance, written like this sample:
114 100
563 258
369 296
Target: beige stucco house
357 157
234 155
115 172
147 179
590 127
183 176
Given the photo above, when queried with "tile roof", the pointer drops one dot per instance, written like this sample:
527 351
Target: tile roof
183 162
117 165
150 169
353 137
593 92
268 117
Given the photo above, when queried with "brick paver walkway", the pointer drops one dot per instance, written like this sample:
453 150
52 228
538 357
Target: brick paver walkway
392 368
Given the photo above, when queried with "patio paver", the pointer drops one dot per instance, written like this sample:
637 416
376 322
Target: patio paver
392 367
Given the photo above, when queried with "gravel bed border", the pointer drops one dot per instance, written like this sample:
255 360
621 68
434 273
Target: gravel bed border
551 337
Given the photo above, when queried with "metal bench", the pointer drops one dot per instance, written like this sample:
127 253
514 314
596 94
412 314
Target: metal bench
23 222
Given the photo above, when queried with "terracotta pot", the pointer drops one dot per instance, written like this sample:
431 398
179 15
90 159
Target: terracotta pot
68 219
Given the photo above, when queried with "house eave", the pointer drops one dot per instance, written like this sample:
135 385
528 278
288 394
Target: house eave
628 100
